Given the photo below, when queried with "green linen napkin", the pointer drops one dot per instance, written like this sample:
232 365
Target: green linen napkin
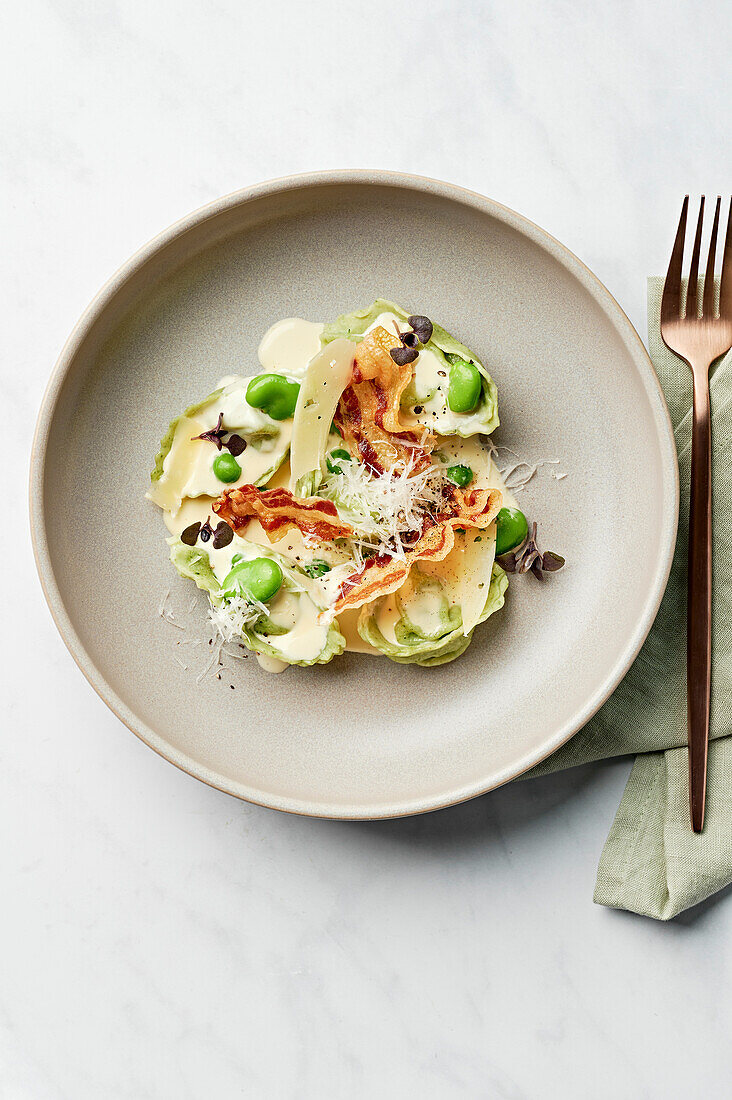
652 862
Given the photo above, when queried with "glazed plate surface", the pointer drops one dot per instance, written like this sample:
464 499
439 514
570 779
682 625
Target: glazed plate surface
361 737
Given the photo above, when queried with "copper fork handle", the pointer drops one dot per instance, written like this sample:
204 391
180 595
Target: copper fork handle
699 613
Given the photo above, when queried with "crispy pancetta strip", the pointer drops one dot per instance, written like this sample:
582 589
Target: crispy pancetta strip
368 411
278 510
373 363
383 574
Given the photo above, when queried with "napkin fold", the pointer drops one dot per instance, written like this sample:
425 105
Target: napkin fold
652 863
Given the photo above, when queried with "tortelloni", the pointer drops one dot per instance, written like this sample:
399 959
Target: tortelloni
197 457
418 625
451 392
290 627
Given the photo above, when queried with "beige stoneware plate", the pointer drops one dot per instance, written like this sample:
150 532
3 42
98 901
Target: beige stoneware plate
361 737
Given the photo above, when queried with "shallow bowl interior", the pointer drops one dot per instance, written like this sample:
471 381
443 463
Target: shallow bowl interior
361 737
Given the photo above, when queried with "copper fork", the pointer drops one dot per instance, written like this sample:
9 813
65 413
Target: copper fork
699 336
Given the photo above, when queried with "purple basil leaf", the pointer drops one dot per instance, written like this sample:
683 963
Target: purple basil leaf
190 534
551 561
402 355
222 535
507 562
528 560
422 327
235 445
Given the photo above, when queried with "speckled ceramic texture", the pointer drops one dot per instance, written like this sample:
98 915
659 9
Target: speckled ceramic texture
360 737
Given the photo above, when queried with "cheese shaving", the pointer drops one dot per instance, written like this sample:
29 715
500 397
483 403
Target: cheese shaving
231 618
473 575
328 374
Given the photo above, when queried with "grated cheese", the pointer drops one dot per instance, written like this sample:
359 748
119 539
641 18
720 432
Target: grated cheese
383 508
230 619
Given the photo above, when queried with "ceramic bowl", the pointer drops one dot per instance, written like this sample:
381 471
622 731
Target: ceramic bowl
361 737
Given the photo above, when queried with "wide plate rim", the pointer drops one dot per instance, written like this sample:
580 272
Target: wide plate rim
409 182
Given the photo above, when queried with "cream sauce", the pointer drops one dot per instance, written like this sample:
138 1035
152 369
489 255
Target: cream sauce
347 624
270 664
388 615
193 510
289 345
306 633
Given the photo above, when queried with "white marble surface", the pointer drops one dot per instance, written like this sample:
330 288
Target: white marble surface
160 940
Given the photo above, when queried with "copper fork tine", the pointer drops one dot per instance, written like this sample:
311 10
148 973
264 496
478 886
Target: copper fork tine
708 300
671 300
699 340
725 283
691 307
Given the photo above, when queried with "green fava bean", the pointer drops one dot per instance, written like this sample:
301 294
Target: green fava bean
274 395
511 530
260 578
226 467
465 387
459 475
